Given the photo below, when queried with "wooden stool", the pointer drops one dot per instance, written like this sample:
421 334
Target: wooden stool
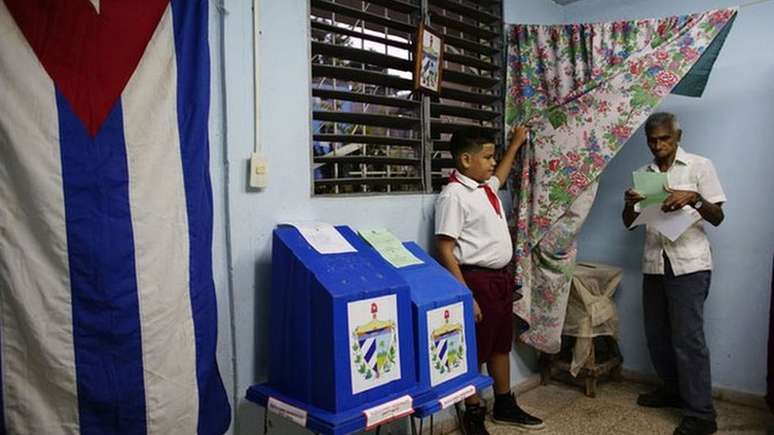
590 328
591 370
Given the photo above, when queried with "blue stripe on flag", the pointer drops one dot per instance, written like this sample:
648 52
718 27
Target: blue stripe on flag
100 245
193 105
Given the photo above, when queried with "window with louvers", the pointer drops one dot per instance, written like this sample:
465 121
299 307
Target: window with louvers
369 132
472 88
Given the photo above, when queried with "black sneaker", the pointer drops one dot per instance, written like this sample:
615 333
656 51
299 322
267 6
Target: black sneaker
473 420
507 411
660 398
696 426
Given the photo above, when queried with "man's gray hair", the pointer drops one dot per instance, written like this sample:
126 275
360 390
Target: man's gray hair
659 119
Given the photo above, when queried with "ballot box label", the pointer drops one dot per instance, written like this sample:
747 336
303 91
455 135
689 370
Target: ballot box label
389 411
292 413
457 396
374 350
446 342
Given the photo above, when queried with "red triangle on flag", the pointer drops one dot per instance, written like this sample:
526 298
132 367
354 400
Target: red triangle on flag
89 55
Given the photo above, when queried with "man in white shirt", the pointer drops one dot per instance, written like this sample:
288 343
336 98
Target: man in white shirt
676 278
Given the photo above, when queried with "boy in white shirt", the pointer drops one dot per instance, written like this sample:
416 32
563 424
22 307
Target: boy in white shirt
475 245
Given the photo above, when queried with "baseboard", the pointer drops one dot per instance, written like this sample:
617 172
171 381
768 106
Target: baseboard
719 393
531 382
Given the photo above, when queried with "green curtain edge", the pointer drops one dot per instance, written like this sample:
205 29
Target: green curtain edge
695 81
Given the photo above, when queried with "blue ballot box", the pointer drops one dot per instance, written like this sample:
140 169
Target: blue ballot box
445 340
342 336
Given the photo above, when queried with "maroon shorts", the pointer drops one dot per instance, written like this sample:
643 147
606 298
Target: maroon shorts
493 290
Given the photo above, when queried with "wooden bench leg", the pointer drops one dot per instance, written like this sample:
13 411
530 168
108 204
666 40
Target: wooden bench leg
591 386
545 361
591 378
616 374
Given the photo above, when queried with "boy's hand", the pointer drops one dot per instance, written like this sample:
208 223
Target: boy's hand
519 135
477 312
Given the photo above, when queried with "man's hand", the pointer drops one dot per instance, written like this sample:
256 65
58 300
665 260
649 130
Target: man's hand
632 197
477 314
678 199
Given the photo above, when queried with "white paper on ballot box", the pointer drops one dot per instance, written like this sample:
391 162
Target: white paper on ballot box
323 237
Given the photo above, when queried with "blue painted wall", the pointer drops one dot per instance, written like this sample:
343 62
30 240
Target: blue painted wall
532 12
732 125
244 219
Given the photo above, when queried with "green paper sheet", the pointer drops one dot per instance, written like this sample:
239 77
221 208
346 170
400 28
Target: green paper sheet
651 186
389 247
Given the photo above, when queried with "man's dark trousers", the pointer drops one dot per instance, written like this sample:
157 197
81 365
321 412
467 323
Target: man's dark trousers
674 326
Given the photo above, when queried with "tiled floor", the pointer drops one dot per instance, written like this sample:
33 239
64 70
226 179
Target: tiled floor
614 411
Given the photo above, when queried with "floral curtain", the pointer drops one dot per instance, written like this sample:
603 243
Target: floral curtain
585 89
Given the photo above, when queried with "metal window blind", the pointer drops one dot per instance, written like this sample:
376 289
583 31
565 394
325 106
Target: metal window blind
472 88
369 131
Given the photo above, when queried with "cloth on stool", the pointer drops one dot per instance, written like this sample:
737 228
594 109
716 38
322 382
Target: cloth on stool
591 311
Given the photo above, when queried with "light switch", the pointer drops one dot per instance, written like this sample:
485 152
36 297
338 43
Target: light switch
258 171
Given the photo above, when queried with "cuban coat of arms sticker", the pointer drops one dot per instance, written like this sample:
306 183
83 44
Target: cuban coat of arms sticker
374 351
446 342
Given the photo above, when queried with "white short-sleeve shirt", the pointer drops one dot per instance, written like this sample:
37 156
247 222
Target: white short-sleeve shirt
464 213
691 251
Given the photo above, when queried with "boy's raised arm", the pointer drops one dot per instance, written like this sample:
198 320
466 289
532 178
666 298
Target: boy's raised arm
518 137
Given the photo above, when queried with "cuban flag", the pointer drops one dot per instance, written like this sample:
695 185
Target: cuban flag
107 304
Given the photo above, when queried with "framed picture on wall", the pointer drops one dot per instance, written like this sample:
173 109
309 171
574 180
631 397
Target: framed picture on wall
428 61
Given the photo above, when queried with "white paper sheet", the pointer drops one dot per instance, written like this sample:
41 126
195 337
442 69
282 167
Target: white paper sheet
671 225
323 237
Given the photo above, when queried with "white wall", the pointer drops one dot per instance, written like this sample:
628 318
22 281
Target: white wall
244 219
732 125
